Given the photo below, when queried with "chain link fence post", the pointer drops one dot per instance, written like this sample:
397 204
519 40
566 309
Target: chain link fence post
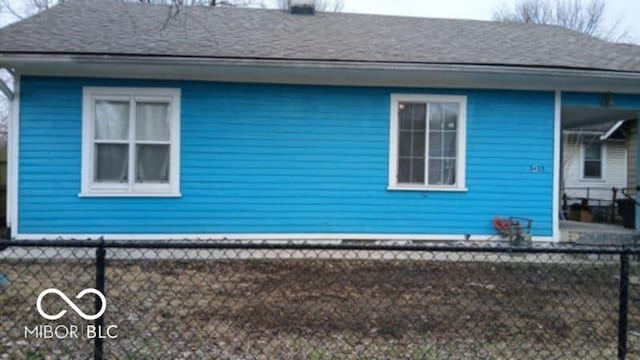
98 353
623 308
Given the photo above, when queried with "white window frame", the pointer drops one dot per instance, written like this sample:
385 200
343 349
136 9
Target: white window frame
461 149
603 163
89 187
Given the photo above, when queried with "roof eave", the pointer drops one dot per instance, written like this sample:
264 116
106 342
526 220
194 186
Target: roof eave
324 72
612 130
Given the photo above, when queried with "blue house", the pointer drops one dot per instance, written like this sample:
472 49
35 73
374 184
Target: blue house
134 121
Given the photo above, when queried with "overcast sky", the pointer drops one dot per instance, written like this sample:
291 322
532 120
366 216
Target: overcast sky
627 11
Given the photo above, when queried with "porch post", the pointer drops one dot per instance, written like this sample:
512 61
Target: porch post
557 166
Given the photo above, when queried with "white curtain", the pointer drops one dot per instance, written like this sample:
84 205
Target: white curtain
111 123
152 124
112 120
152 121
112 163
152 163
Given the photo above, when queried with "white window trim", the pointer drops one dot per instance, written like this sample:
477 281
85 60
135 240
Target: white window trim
603 161
461 143
91 189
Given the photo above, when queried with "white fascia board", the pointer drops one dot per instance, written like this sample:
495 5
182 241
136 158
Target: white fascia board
325 72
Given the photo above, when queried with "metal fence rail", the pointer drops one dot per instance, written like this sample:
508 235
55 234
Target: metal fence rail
230 300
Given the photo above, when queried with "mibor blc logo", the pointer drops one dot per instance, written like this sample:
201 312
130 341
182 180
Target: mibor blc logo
47 331
71 304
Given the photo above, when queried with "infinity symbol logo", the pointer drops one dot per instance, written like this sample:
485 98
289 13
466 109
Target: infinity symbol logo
64 297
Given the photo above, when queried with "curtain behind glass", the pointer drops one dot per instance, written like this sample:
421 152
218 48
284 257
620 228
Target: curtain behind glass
112 120
152 125
152 122
152 163
443 133
112 163
111 125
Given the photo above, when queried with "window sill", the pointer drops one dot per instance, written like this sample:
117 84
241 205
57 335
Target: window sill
594 180
129 195
426 189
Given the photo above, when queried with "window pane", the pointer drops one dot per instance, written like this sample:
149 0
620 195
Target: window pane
152 163
451 116
112 120
418 144
449 172
404 115
405 143
412 115
435 172
435 144
411 171
152 121
435 116
449 145
112 163
442 144
592 151
417 171
419 116
592 169
442 172
404 171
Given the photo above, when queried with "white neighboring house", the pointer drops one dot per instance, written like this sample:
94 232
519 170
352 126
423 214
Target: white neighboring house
595 159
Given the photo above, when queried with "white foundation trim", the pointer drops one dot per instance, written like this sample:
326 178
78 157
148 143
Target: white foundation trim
271 236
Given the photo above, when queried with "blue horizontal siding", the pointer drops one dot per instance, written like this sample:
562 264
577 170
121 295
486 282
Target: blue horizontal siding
287 159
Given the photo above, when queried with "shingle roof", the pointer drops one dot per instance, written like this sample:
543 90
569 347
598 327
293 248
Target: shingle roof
110 27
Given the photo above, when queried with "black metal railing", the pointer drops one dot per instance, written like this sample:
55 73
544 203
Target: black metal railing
317 300
601 203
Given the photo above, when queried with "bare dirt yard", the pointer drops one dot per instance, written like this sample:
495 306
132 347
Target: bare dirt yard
326 309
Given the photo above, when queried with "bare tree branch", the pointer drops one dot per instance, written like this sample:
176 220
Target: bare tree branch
6 7
585 16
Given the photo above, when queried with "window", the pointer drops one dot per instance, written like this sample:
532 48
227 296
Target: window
592 160
427 147
131 142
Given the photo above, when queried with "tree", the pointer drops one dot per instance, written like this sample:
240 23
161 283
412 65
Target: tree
25 8
585 16
20 9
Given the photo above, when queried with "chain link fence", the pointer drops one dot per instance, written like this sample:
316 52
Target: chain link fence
204 300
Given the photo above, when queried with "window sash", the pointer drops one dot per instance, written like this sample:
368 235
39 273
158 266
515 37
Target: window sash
132 186
598 164
588 159
427 155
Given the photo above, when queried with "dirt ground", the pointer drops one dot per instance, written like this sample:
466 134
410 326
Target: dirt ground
326 309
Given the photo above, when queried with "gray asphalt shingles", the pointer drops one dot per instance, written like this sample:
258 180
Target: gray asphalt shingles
116 28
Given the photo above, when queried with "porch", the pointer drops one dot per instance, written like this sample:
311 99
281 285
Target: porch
583 233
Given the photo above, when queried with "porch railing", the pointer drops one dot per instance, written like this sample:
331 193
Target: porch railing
604 208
